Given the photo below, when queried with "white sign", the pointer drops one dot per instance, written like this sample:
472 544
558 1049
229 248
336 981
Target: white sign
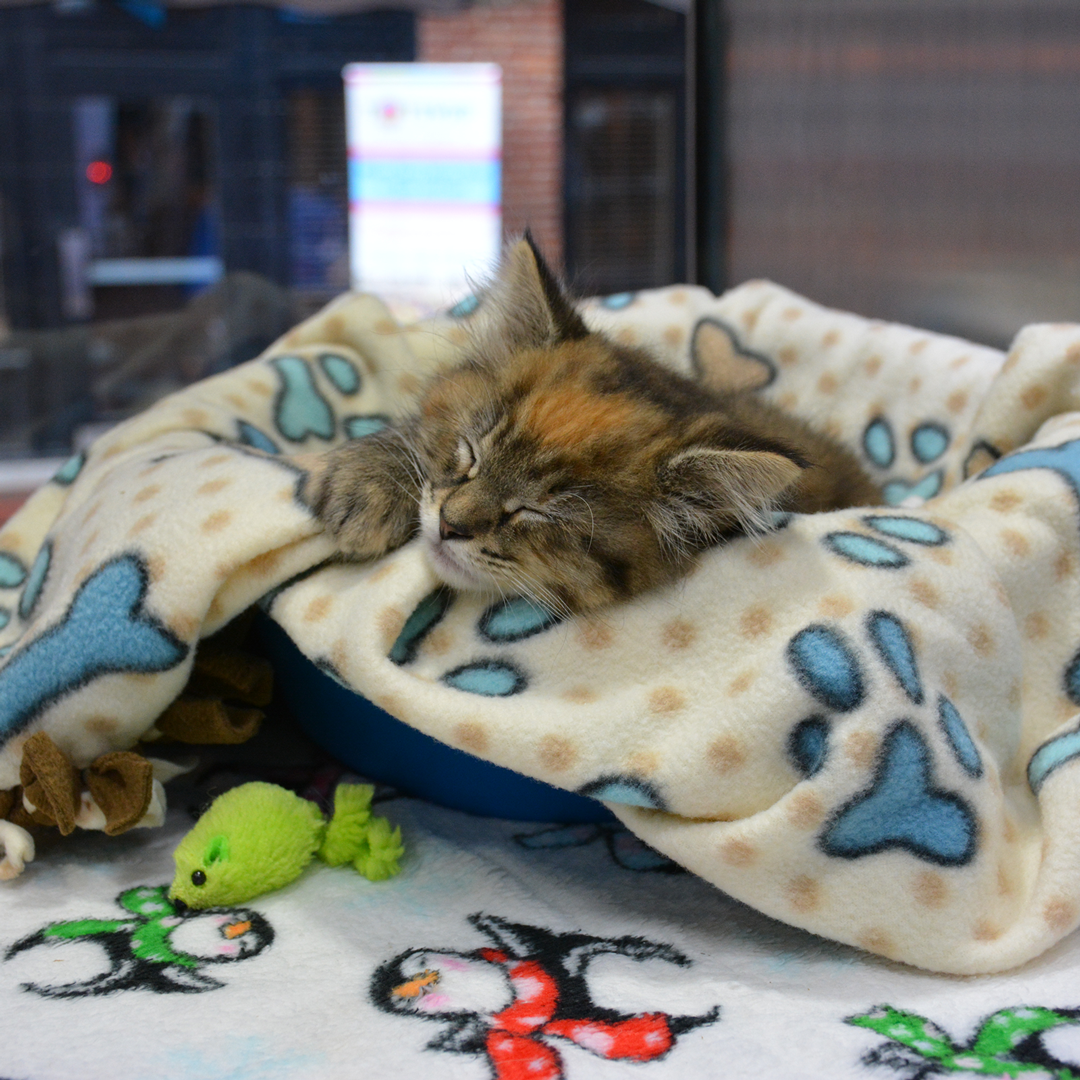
424 177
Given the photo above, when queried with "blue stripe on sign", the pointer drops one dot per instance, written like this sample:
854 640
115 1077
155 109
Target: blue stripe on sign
425 181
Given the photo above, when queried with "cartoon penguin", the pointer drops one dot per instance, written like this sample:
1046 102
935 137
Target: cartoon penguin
506 1002
156 948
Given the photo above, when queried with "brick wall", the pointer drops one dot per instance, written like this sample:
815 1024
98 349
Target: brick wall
526 39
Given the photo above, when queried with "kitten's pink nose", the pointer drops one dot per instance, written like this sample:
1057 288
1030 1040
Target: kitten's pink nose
449 531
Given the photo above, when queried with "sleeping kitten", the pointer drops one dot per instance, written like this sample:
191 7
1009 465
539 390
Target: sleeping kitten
554 463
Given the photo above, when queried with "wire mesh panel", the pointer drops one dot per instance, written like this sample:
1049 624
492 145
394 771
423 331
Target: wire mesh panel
915 160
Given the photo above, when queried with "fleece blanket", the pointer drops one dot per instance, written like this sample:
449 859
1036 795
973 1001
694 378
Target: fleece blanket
863 724
558 953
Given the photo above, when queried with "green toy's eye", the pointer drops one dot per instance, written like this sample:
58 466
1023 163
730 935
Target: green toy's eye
198 877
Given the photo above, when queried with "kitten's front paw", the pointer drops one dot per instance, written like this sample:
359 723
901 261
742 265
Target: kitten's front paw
365 495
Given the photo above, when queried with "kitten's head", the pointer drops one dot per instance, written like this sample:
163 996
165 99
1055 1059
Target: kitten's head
560 465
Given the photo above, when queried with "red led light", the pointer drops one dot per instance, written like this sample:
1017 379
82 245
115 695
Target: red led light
99 172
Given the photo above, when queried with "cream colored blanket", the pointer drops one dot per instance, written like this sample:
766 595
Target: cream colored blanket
864 723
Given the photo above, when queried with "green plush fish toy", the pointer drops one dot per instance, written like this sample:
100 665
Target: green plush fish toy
258 837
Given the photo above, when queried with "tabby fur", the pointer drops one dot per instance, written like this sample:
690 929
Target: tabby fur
554 463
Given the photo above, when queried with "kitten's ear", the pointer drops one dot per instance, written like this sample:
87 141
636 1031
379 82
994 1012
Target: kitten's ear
534 312
708 493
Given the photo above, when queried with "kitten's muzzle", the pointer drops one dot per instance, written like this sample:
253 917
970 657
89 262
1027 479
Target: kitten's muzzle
449 530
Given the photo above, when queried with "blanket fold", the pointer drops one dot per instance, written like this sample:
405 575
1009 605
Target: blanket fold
863 723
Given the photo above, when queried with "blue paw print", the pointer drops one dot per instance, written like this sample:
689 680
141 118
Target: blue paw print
903 808
879 445
631 790
929 441
515 620
426 615
250 435
104 630
35 581
299 409
68 472
464 307
358 427
342 373
870 551
489 678
896 491
12 571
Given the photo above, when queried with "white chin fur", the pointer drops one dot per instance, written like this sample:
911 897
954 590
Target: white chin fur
451 571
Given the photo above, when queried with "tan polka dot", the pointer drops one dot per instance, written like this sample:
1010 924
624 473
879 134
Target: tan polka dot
146 493
457 335
142 524
112 451
1005 885
263 564
679 634
829 339
930 889
835 606
805 810
318 608
91 512
787 401
260 388
755 621
982 641
832 428
151 468
236 401
335 326
155 566
1059 913
383 572
471 735
185 627
951 683
556 753
1064 565
957 401
986 930
102 725
666 699
726 753
643 763
915 385
580 695
960 361
741 683
626 336
1015 695
924 592
919 346
391 621
1016 543
677 296
390 703
292 339
286 494
738 852
860 748
214 459
1002 594
876 940
409 383
791 313
788 355
595 635
212 487
195 417
1010 362
1034 396
674 336
1036 625
765 553
803 893
978 461
385 326
942 555
1005 501
1008 830
217 521
873 365
1072 354
828 383
439 642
